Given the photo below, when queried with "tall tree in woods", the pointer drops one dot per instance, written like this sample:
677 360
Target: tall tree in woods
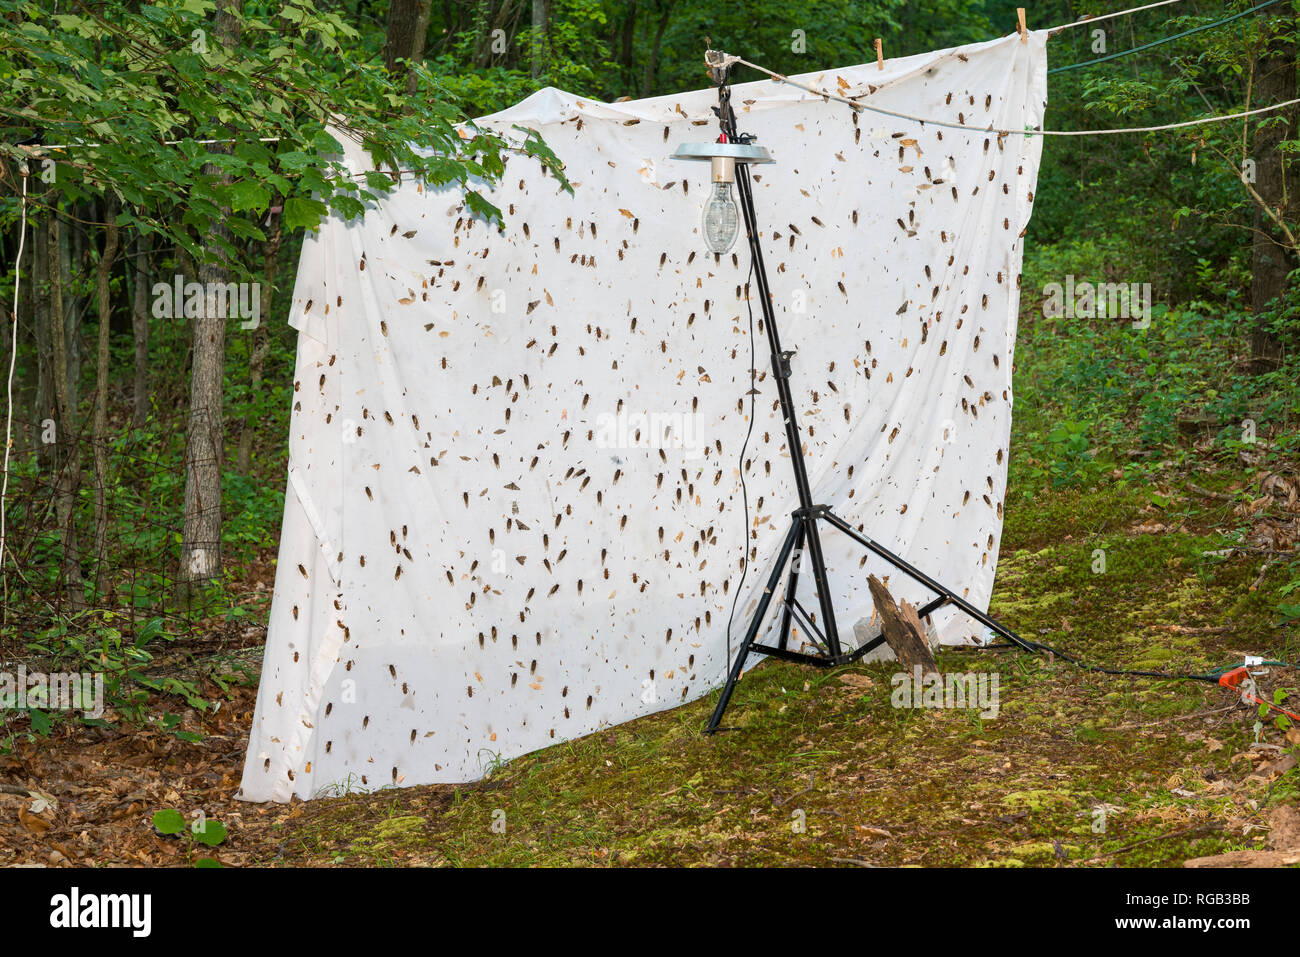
660 11
204 453
103 303
539 38
140 332
44 409
261 343
1274 247
67 459
408 27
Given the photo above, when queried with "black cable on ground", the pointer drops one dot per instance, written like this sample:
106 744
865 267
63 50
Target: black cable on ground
1212 677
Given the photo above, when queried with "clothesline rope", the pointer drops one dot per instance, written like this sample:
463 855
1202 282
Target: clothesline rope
984 130
1109 16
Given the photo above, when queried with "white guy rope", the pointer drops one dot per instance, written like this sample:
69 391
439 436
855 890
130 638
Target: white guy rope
1000 132
1110 16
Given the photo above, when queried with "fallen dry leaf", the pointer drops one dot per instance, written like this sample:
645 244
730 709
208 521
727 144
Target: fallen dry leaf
33 822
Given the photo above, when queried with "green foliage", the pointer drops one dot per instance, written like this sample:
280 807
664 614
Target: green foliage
1098 400
168 821
1290 610
199 834
1183 188
117 651
1279 720
136 92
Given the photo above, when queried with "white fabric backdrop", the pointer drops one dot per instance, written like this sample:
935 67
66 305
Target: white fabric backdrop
481 555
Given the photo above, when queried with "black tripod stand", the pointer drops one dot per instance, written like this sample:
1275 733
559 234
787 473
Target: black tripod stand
803 534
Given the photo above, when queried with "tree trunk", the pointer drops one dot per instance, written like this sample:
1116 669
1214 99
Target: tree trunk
201 537
494 21
408 26
628 45
140 333
69 251
44 410
67 458
652 61
1271 258
261 347
103 301
539 37
28 300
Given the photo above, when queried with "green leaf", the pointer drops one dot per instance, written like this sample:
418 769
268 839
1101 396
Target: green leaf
213 833
42 723
326 143
169 821
303 213
479 205
247 195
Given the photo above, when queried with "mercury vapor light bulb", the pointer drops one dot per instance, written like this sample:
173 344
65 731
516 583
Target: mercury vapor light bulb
720 222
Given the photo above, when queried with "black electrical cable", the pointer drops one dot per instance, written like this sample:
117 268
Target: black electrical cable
1102 669
744 489
1041 648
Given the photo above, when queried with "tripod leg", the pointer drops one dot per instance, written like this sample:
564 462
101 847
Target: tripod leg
755 623
792 586
823 588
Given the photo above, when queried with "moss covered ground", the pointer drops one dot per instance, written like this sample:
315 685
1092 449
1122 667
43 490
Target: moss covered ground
1078 768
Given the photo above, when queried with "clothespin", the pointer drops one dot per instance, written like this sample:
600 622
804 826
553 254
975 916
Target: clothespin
1020 25
718 63
880 54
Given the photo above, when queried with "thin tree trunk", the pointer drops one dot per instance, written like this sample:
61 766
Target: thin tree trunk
652 62
261 347
67 459
1271 259
539 37
99 438
27 318
417 48
140 333
45 410
495 20
69 243
628 46
201 537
